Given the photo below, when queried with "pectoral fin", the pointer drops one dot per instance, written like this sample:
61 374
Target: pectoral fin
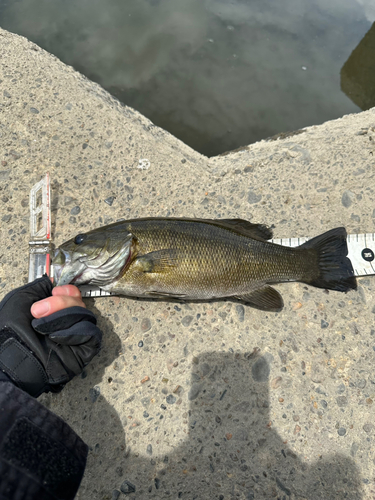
265 298
158 261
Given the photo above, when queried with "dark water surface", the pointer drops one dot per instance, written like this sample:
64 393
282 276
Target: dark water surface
218 74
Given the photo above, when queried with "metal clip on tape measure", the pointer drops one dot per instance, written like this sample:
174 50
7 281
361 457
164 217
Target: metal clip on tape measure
40 229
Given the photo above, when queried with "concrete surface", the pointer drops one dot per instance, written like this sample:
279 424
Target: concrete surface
208 400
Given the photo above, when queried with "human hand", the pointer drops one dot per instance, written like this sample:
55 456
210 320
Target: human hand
62 297
43 354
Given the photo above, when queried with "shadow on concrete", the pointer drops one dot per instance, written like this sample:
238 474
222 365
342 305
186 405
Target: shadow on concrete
94 419
232 450
102 428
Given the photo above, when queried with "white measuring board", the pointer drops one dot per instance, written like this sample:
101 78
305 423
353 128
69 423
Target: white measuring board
361 251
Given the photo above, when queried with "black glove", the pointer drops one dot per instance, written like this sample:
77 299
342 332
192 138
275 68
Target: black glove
41 457
42 355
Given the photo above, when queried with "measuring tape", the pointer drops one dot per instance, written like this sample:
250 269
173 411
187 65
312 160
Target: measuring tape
361 247
93 291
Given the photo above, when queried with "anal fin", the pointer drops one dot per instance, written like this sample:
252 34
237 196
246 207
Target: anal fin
265 298
166 295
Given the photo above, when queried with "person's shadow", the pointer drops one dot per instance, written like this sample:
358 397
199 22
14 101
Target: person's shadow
231 449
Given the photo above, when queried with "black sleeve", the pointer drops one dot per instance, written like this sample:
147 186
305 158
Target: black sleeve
41 457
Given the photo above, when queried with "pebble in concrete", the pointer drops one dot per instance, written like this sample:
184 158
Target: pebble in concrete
127 487
94 393
186 320
253 197
347 198
75 210
260 370
240 310
145 324
110 200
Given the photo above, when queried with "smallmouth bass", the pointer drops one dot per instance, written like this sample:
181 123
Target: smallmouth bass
201 259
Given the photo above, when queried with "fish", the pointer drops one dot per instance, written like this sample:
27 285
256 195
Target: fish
200 260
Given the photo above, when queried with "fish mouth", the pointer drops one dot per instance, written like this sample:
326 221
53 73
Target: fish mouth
59 259
82 271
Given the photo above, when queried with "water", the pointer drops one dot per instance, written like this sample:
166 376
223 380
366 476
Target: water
217 74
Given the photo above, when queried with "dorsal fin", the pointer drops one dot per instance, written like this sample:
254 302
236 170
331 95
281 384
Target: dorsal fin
246 228
239 226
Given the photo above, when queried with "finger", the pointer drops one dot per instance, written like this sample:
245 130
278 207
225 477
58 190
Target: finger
70 290
53 304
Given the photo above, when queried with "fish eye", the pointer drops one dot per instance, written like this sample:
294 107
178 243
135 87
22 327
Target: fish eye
78 239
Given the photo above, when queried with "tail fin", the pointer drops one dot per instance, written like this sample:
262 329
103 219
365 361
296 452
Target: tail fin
335 270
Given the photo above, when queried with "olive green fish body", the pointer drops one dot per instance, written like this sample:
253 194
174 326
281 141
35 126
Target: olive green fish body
198 260
201 259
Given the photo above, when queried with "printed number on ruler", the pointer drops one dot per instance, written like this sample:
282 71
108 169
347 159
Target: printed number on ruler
362 253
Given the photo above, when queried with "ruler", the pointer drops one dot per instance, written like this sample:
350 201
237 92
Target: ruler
361 247
93 291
